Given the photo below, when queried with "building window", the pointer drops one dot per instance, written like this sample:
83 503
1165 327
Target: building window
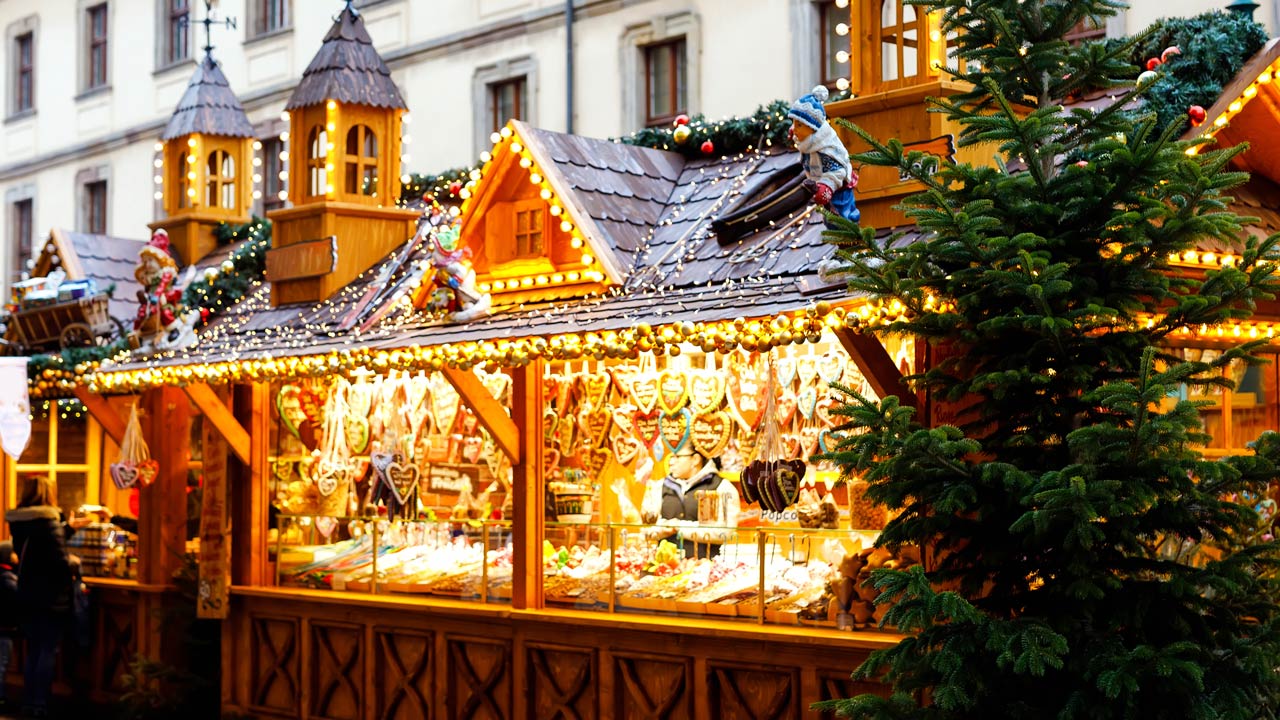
221 185
95 200
1090 28
665 72
269 15
516 231
528 231
900 41
24 89
508 100
23 222
177 36
96 20
317 152
361 161
832 46
272 170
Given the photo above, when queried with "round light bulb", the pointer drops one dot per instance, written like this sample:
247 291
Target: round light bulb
842 29
842 56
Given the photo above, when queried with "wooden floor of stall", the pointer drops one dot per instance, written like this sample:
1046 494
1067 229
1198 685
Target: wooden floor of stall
311 654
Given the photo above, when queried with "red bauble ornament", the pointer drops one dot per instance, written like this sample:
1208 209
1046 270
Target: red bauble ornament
1082 163
1169 52
682 120
455 187
1153 63
708 147
1197 115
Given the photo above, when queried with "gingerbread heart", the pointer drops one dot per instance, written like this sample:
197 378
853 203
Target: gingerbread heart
550 461
625 448
382 460
550 388
825 411
644 391
829 440
497 383
289 408
648 426
357 434
124 475
471 448
623 420
594 426
784 369
147 471
706 391
594 388
622 376
402 479
550 425
673 390
328 477
676 428
445 404
785 407
326 526
306 468
594 460
567 434
282 469
830 367
746 392
791 446
807 402
809 437
774 483
564 391
710 433
807 370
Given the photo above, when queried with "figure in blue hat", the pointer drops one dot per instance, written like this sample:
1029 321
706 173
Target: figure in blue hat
823 157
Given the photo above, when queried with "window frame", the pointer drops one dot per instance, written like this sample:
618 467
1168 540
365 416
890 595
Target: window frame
677 49
24 72
826 55
22 234
177 32
97 76
272 166
317 136
217 183
97 206
521 100
259 12
632 61
362 162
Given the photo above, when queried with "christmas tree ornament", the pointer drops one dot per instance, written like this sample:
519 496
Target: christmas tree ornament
681 134
455 187
1153 63
1197 115
1170 52
1147 78
708 147
682 120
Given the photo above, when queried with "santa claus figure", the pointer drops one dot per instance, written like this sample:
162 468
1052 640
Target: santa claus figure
162 322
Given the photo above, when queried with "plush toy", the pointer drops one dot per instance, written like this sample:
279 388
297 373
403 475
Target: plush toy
824 158
162 322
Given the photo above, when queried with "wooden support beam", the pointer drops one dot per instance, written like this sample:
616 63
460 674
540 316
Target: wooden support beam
492 415
101 410
527 487
248 491
162 517
219 415
873 360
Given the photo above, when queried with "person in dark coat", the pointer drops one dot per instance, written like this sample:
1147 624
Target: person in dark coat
8 614
44 587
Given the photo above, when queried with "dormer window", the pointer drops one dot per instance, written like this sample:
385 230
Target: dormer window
362 161
516 231
901 28
221 183
317 154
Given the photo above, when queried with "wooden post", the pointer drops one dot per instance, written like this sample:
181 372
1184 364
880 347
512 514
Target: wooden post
214 573
491 414
248 492
103 412
877 367
162 521
527 487
217 414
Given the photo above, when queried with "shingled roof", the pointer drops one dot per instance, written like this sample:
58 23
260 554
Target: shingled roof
347 69
208 107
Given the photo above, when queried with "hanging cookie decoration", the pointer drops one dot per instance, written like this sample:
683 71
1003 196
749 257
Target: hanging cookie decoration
134 465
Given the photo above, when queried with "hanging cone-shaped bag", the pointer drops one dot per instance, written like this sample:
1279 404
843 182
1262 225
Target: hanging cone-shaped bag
134 465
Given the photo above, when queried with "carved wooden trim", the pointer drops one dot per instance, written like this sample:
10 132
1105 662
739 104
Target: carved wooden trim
274 664
753 692
563 682
479 679
652 687
837 684
405 675
337 671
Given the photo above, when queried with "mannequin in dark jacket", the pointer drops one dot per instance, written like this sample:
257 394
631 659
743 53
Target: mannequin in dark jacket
44 586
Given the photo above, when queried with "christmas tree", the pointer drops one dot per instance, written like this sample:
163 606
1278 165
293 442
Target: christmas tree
1083 559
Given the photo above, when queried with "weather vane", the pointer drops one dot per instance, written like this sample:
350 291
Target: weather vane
210 19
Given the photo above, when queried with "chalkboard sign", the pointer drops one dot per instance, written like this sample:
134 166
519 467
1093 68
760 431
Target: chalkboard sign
443 478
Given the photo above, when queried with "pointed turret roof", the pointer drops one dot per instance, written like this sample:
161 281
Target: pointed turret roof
208 107
347 69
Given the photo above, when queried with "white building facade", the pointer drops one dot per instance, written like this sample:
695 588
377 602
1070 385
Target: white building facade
89 84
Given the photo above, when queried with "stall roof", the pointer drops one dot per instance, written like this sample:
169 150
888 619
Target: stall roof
347 69
208 107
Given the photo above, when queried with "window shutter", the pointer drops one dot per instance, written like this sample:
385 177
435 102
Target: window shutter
500 234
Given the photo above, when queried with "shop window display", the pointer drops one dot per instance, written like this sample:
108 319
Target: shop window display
676 484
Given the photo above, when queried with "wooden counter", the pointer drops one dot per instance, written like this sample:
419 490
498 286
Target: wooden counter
125 623
312 654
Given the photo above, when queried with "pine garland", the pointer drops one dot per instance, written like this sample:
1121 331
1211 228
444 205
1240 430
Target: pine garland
1214 45
766 127
434 188
218 291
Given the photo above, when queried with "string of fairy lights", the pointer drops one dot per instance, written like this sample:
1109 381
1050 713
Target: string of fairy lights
1269 74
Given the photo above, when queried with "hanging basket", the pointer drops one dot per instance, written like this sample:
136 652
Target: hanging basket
134 466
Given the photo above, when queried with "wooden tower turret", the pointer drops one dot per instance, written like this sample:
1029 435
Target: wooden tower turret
206 163
344 124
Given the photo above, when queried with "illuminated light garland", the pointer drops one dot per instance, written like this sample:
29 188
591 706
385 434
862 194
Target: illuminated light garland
1236 106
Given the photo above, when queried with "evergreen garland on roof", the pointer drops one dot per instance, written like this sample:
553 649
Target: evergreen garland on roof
222 287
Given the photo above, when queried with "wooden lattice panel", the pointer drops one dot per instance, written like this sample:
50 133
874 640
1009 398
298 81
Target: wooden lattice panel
274 665
563 682
479 679
405 675
753 692
652 687
337 671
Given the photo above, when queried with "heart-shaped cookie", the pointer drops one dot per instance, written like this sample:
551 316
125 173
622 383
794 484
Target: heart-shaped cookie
774 483
564 391
550 426
784 406
625 448
402 479
326 526
825 411
550 461
807 370
792 446
623 420
307 467
809 437
594 460
550 389
831 366
567 434
710 433
382 460
124 475
807 402
444 406
706 391
622 376
673 390
784 369
648 426
328 476
644 391
497 383
471 448
282 470
289 408
828 440
594 426
594 388
746 392
675 430
147 471
357 434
